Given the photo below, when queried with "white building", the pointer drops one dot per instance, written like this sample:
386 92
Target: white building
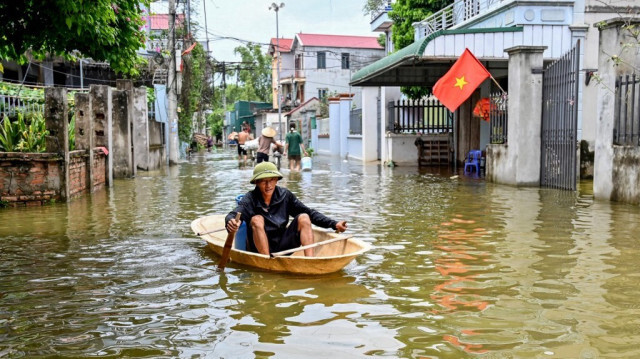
315 65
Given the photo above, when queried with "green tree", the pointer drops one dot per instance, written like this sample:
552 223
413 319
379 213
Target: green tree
404 13
254 76
104 30
194 86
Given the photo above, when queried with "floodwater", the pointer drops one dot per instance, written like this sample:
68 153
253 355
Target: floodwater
459 268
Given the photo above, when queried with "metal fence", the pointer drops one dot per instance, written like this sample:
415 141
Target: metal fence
10 105
419 116
355 122
626 129
498 119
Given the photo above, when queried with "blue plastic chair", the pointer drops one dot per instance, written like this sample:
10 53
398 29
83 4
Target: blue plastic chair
473 160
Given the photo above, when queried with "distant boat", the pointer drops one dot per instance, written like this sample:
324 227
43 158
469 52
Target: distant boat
327 258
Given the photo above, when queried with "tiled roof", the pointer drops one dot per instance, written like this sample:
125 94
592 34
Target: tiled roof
356 42
285 44
161 21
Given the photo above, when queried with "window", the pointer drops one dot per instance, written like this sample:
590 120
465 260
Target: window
345 60
322 60
298 62
322 93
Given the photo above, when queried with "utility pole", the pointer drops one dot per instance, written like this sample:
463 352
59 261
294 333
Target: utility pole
275 7
224 93
172 117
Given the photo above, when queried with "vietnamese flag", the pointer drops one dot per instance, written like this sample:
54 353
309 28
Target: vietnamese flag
455 87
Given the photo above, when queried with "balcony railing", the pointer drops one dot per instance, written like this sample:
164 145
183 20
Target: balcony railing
160 45
452 15
386 7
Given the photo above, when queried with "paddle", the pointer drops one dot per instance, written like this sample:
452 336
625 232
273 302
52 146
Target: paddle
317 244
227 247
211 231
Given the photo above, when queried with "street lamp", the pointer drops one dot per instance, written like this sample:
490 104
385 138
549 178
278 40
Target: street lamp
275 7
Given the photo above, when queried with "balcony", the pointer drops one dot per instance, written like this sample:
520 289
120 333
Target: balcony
454 15
380 20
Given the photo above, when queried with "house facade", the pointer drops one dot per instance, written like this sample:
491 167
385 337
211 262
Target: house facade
317 65
522 44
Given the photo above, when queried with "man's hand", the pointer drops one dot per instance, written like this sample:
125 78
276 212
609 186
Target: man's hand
341 226
233 225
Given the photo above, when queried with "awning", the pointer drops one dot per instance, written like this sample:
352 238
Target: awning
426 60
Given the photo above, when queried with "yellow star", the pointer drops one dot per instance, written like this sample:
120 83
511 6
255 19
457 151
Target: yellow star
460 82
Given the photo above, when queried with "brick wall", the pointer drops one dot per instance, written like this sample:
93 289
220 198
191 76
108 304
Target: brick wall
78 174
30 178
99 169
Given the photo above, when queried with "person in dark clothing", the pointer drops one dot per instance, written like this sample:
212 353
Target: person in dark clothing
267 209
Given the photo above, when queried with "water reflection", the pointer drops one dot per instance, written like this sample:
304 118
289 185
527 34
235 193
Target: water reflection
459 268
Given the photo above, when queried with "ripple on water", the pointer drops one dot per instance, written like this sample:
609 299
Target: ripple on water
459 268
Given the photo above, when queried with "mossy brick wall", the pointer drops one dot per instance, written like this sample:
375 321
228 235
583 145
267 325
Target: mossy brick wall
99 169
78 174
79 182
30 178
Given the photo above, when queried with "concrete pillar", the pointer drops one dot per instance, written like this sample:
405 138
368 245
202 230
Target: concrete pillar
127 86
370 124
334 125
101 107
345 115
140 130
525 115
613 37
121 146
56 117
84 131
387 94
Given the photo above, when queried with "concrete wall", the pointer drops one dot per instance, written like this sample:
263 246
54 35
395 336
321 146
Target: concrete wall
354 147
400 149
324 146
616 174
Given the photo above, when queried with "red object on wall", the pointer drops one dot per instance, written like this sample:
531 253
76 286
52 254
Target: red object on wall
483 108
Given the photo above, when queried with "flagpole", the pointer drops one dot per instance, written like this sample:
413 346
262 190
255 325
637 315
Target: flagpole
497 84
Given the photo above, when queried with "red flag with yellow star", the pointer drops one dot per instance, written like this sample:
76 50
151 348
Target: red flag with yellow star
455 87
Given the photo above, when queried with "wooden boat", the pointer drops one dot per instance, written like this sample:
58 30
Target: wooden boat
327 258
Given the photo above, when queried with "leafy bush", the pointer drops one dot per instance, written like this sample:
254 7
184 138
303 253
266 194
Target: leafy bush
9 135
72 133
24 134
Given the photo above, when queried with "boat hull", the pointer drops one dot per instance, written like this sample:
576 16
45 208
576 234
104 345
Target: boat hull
327 258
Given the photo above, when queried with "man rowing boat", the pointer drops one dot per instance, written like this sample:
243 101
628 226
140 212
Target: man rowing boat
267 208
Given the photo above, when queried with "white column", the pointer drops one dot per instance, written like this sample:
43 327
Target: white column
334 125
369 124
345 113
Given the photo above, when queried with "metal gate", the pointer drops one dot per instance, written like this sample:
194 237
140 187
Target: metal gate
559 122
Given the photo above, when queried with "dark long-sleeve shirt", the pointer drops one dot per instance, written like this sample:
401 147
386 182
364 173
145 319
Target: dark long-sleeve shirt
276 215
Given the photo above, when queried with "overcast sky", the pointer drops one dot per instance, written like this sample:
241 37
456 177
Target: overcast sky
253 21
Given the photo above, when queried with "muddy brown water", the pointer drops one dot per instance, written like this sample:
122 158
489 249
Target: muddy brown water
460 268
